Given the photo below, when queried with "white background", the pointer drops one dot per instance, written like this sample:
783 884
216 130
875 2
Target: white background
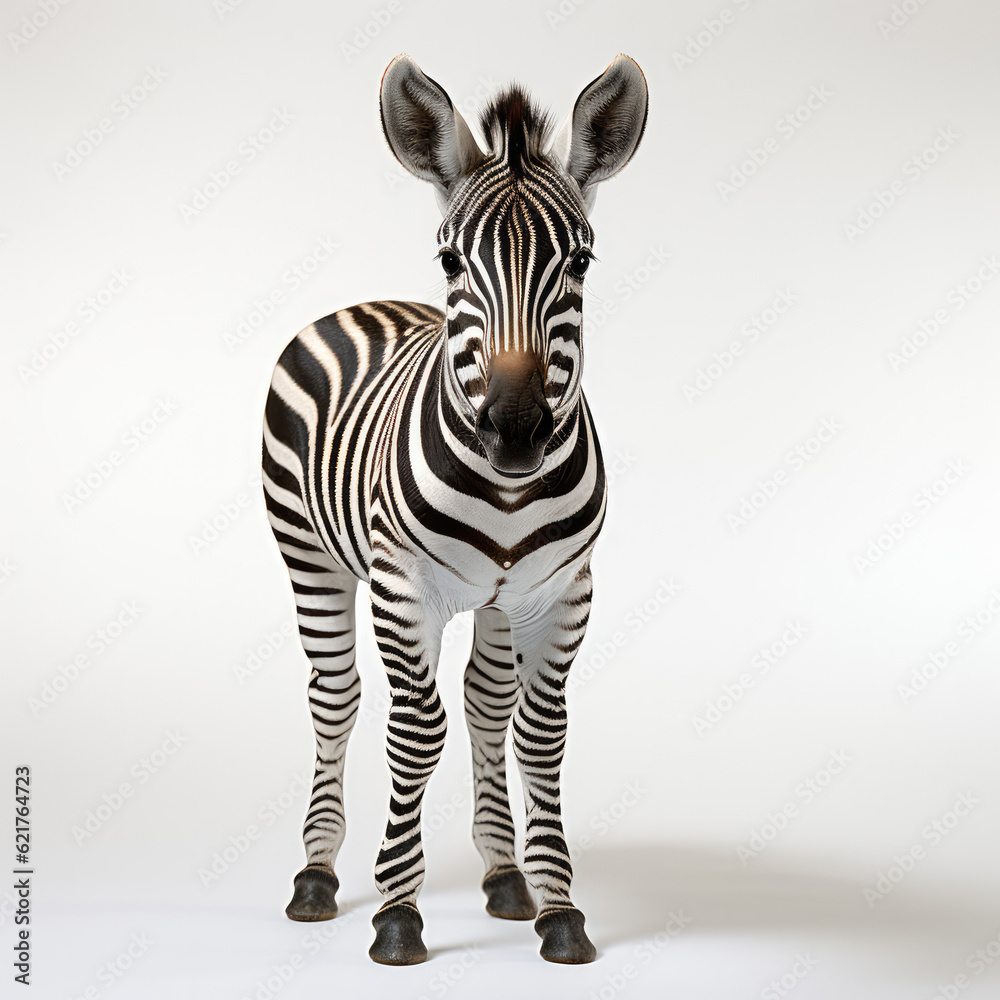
210 603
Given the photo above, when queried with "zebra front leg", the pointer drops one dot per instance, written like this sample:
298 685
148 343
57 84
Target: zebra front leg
491 689
408 633
545 643
325 600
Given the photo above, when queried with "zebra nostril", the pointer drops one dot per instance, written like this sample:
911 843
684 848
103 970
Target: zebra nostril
487 429
499 425
542 430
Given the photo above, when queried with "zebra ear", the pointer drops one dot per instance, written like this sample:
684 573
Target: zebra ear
424 129
604 128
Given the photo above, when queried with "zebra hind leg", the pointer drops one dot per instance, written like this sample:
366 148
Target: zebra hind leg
491 690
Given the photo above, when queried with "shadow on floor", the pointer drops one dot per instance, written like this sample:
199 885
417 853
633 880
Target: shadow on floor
630 893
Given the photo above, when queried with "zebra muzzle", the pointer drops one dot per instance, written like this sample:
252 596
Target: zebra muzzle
515 421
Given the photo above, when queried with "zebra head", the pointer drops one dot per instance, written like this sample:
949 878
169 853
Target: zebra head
515 242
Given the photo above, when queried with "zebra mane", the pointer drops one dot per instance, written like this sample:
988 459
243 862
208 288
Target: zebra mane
516 129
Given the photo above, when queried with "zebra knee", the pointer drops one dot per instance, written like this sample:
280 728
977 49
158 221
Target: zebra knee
417 718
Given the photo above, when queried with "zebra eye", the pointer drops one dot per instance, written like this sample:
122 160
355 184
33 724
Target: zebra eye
451 263
579 263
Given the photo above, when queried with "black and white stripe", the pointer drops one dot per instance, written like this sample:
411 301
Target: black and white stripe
376 468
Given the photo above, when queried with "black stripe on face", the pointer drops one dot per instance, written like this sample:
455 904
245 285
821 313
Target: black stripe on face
516 236
469 356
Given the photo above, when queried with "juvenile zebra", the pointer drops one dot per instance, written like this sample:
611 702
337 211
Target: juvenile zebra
449 461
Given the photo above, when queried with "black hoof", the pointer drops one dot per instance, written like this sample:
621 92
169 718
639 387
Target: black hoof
563 937
507 895
397 936
315 895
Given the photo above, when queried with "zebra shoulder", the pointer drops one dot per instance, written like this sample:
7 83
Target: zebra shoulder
359 338
373 325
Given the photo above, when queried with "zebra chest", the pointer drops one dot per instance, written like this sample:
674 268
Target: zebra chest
436 500
475 549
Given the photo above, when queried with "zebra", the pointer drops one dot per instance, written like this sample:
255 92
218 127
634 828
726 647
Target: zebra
449 460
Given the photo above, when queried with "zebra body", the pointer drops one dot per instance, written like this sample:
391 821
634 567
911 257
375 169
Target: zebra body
479 548
449 461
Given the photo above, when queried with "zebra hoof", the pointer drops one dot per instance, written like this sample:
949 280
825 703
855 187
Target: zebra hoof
397 936
315 895
563 938
507 895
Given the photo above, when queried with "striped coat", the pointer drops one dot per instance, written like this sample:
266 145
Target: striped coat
449 461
